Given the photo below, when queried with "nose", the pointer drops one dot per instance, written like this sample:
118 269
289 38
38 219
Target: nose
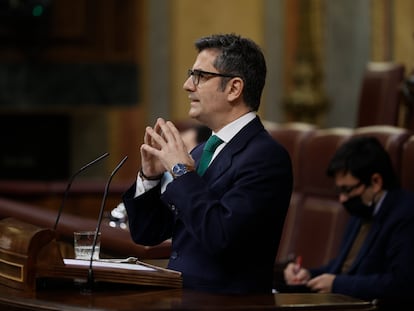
188 84
342 197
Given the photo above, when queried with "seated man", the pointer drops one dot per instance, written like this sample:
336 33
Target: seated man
376 256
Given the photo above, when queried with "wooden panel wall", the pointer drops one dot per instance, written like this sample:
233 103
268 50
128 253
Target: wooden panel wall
76 30
103 33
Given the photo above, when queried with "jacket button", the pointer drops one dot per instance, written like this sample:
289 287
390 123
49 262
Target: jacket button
174 255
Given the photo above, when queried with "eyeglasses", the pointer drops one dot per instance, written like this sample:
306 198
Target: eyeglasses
197 74
346 189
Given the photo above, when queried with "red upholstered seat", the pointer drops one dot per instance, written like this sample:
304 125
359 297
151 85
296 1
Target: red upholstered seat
292 135
407 164
315 220
380 95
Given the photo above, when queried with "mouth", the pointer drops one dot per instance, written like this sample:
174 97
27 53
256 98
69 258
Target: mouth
192 99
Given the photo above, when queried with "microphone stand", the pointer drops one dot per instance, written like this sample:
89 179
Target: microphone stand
98 225
70 184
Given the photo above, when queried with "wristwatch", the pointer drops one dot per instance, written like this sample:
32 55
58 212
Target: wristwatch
180 169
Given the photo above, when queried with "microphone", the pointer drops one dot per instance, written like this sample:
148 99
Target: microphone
70 184
98 225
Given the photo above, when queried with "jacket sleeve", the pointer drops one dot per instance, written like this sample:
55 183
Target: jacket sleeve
150 221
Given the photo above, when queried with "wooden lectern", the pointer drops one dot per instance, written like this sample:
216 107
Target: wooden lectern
28 252
22 246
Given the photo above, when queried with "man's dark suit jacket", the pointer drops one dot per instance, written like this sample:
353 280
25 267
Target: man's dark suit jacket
384 267
226 225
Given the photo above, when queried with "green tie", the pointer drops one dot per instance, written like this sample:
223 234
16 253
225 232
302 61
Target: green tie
212 143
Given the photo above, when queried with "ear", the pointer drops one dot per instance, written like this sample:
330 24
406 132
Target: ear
235 86
377 182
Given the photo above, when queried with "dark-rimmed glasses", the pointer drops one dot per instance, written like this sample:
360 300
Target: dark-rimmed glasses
346 189
197 74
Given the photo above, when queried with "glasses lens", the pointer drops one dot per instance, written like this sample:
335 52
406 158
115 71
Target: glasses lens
347 189
195 76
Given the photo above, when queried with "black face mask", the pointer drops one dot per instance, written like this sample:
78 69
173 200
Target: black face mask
356 207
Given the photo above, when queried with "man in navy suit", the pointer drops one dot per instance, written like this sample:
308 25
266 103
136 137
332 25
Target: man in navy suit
376 257
226 223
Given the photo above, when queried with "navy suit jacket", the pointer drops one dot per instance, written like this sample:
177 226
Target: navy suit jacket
384 267
226 225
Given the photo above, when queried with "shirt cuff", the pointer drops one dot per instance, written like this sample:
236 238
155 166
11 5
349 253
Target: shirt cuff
143 185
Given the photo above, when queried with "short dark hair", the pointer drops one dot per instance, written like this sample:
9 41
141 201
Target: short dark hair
362 157
240 57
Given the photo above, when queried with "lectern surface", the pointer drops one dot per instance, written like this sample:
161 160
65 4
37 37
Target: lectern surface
111 296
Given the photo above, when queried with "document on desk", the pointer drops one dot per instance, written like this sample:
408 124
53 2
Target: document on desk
108 264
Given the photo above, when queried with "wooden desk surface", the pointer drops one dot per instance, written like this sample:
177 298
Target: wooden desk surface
67 296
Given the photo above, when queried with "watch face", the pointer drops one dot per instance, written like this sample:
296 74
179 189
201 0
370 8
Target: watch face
179 169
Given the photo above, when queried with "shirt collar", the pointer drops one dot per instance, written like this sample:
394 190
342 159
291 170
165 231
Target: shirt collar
231 129
379 203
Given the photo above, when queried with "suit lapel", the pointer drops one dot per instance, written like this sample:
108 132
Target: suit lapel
366 245
224 159
372 234
353 231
